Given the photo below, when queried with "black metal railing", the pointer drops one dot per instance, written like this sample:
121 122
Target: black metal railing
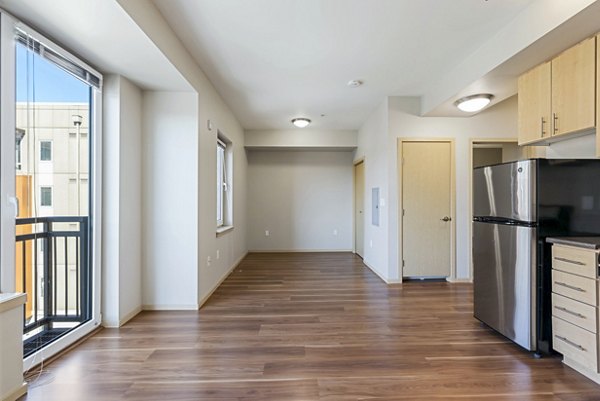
55 273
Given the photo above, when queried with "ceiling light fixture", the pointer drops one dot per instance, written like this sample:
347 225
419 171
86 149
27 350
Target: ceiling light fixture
355 83
301 122
470 104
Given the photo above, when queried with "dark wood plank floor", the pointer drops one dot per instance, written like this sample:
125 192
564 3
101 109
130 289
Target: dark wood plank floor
310 327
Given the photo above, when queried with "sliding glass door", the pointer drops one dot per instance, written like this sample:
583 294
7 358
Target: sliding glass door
55 147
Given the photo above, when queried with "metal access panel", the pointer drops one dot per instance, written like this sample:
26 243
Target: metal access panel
375 206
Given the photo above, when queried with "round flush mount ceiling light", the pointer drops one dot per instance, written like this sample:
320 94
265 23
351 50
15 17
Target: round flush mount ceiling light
301 122
474 103
355 83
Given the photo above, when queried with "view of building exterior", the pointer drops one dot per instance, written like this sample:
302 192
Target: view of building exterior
52 167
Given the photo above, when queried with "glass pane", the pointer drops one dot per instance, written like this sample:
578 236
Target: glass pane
45 151
220 159
52 175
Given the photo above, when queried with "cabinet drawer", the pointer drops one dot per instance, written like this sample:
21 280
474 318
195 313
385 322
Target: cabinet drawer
575 287
575 343
575 312
579 261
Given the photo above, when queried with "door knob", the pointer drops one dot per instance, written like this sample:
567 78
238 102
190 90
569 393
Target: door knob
446 218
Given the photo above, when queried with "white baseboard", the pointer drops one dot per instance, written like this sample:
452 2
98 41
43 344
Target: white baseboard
384 279
458 280
231 269
16 394
173 307
298 250
130 315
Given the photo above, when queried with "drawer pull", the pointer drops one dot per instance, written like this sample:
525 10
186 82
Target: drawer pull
569 286
571 343
573 262
570 312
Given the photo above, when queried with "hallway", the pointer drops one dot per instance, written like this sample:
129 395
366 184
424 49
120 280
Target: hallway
315 326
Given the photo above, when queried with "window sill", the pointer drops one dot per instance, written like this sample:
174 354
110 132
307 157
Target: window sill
223 229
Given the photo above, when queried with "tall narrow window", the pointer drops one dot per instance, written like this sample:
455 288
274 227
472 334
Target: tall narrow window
45 151
221 182
46 196
57 105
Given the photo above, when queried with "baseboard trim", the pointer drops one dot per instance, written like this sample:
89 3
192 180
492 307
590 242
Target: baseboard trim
231 269
459 280
385 280
16 394
159 307
298 250
130 315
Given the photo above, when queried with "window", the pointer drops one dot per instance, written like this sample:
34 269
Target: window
223 182
45 151
45 196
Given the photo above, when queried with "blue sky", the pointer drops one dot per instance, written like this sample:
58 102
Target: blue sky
52 84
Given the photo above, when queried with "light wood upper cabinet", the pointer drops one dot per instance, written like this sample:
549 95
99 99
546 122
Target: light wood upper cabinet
574 88
559 97
535 108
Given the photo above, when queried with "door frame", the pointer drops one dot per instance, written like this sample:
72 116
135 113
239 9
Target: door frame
472 142
399 158
354 164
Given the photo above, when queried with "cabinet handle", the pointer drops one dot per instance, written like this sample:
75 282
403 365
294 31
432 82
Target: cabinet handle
570 312
569 286
573 262
571 343
555 118
543 122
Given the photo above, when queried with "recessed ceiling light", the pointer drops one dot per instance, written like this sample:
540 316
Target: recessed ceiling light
474 103
355 83
301 122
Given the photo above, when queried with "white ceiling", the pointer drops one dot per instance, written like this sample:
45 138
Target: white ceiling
104 35
273 60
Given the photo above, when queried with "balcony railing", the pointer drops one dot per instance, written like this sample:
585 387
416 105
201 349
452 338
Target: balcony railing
53 259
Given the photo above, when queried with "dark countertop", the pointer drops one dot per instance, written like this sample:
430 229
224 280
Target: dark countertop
582 242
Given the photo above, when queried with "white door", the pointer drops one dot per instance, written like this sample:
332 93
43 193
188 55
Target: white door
426 203
359 203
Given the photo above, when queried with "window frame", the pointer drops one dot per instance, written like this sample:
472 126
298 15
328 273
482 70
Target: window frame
224 181
48 141
42 188
9 26
221 182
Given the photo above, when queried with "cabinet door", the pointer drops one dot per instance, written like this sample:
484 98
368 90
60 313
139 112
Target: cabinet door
574 88
534 104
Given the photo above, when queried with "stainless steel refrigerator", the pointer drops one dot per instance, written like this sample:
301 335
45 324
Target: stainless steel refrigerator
515 207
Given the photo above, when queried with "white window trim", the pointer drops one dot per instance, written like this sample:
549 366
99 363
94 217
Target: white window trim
226 223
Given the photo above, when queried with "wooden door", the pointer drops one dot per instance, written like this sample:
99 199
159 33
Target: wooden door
359 206
535 104
574 88
426 203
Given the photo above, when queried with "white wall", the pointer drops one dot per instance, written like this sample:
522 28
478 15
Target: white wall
372 146
226 250
301 197
583 147
170 200
210 106
301 138
403 121
122 175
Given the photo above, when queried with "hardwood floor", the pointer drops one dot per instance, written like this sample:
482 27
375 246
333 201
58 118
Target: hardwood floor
310 327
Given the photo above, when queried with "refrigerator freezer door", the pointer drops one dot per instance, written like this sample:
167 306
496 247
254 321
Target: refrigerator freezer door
504 280
505 191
